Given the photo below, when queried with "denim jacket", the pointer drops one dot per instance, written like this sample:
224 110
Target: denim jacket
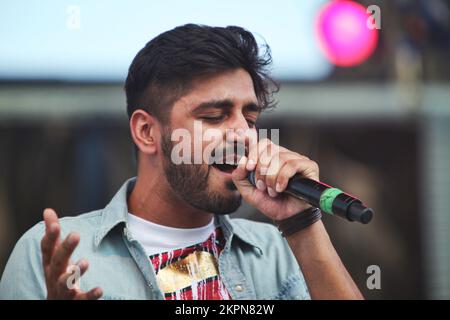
256 262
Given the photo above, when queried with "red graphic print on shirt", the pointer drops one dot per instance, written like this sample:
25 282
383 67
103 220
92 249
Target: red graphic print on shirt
192 273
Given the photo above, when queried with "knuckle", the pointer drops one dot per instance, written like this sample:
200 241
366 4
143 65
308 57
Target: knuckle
56 264
292 164
291 169
284 155
303 157
315 164
68 245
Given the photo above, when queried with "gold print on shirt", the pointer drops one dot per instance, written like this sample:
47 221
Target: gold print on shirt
197 266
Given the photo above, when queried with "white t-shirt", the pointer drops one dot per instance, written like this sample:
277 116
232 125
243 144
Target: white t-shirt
156 238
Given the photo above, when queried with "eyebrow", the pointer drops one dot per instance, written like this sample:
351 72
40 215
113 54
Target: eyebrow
224 104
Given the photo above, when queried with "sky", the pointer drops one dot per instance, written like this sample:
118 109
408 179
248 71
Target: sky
96 40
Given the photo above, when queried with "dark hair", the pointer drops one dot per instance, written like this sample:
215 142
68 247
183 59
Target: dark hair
163 70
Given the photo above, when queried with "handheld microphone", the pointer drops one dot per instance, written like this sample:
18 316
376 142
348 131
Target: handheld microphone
330 200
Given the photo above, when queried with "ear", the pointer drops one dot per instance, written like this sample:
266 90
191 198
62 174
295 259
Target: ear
144 131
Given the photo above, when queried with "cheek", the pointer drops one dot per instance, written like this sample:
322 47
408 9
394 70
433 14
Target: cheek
210 144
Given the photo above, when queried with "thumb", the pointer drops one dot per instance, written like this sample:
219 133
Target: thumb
239 176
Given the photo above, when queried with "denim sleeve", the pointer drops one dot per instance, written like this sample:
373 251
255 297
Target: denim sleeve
294 286
23 277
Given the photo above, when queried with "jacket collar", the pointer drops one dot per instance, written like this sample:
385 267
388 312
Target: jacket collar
116 213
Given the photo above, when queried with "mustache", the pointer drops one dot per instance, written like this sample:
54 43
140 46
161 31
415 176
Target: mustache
229 154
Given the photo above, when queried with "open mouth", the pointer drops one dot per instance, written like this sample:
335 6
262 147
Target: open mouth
228 163
227 168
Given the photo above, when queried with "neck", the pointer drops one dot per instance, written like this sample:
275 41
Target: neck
153 200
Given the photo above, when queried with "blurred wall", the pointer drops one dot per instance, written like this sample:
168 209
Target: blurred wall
67 146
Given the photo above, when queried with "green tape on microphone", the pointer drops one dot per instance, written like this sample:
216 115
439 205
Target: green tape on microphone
326 199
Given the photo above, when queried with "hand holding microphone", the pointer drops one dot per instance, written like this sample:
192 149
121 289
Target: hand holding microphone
330 200
283 183
289 173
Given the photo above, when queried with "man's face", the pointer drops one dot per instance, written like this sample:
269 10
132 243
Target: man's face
226 103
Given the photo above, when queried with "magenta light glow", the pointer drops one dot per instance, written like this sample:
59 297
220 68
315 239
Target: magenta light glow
343 35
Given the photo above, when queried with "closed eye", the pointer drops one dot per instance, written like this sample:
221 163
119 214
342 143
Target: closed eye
213 119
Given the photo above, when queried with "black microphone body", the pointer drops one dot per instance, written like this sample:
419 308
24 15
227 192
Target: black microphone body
330 200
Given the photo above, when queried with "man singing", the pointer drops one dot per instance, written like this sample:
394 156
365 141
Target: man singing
166 234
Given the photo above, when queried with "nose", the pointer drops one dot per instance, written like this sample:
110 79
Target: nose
238 131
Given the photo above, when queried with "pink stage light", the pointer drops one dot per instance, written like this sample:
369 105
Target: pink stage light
343 35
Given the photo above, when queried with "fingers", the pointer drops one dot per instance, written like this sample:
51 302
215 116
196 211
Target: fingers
275 165
304 166
240 173
61 257
93 294
67 286
240 180
68 282
51 237
49 242
274 171
50 217
267 153
253 154
286 172
83 265
61 280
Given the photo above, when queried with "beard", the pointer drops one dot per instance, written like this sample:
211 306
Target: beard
190 182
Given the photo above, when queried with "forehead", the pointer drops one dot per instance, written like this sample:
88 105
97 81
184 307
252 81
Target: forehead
236 85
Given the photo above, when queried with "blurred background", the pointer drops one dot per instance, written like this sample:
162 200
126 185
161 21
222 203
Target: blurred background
365 92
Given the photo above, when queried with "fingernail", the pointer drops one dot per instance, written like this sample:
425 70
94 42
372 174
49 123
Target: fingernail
278 187
260 185
250 165
271 192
